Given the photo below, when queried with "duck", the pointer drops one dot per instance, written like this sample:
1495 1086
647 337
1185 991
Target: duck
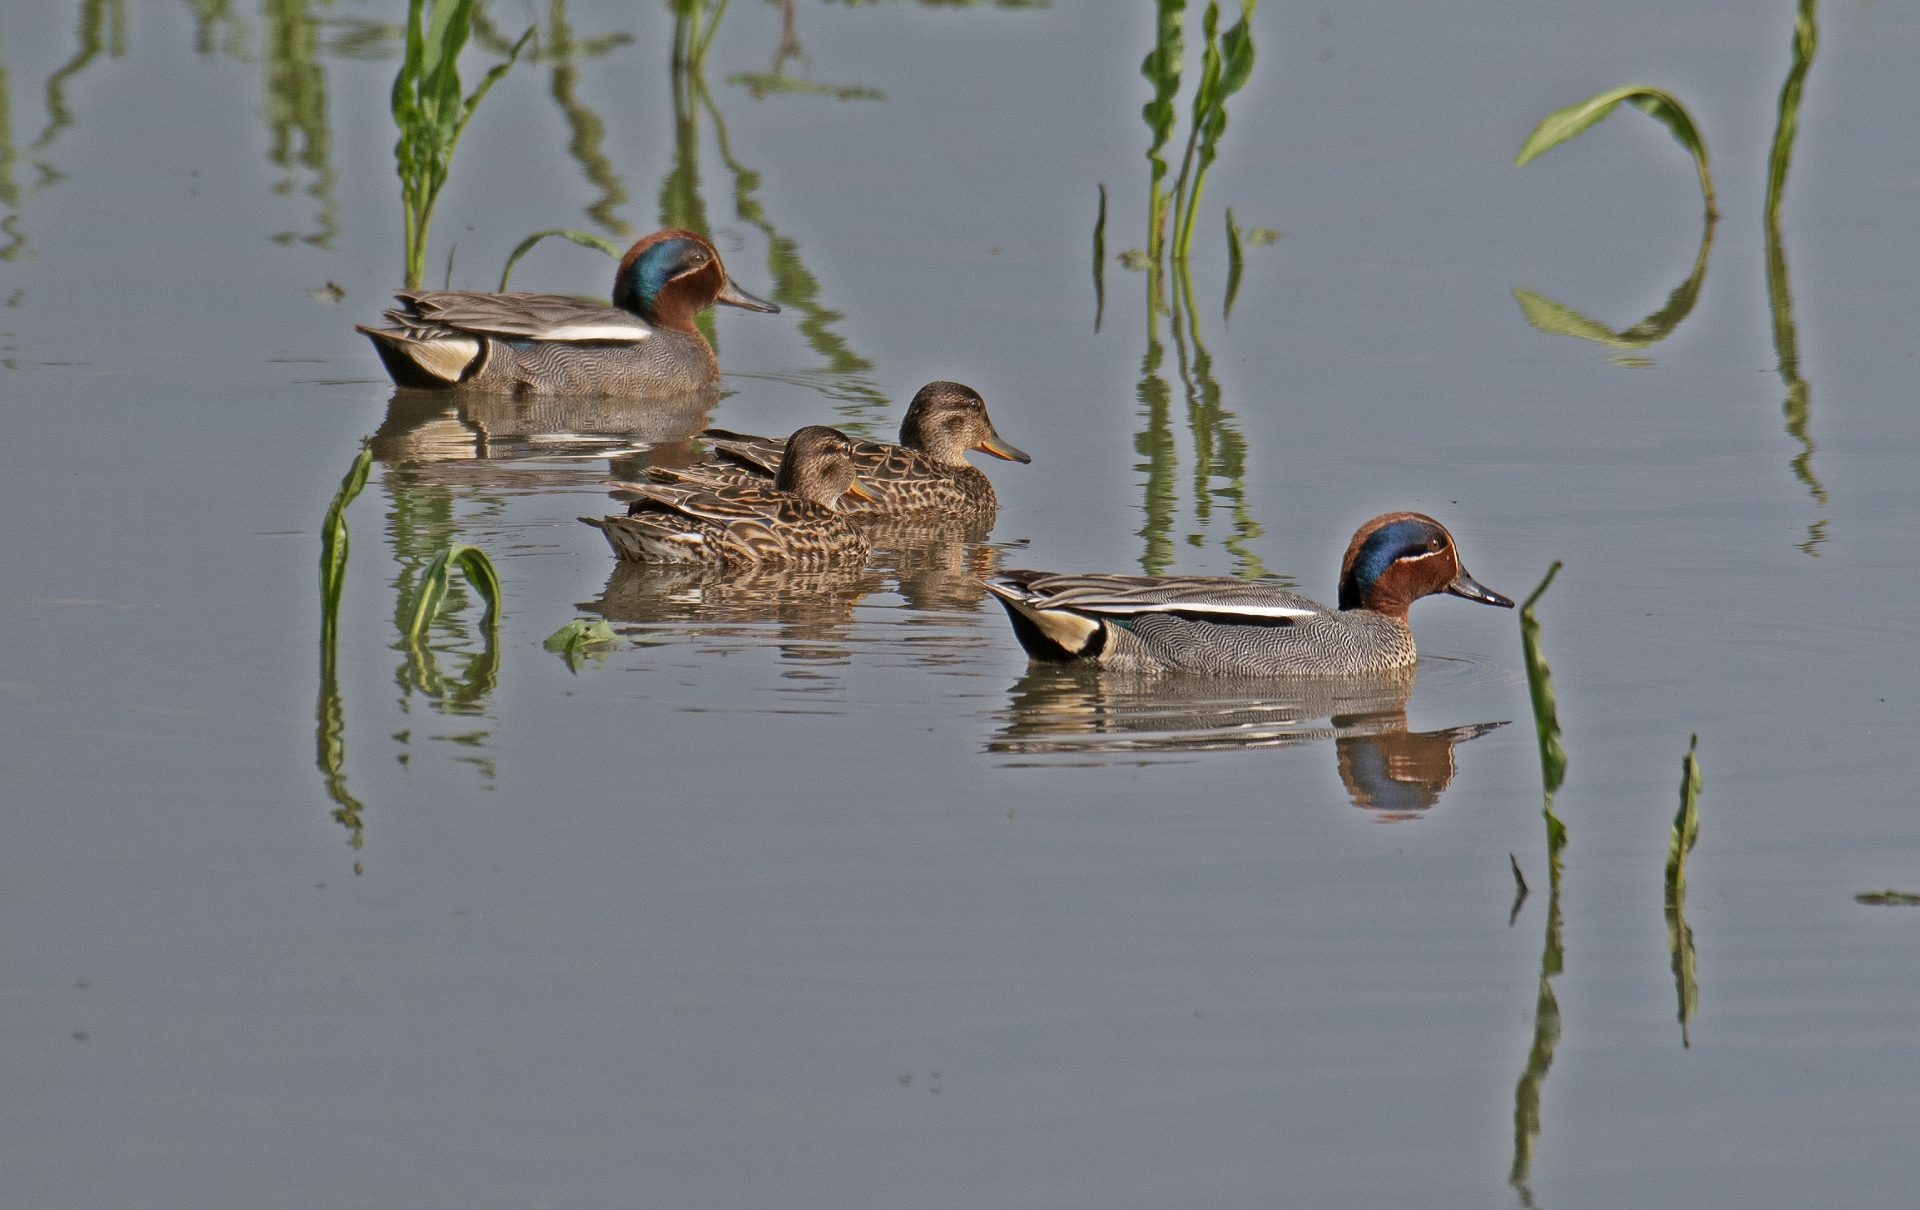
927 472
792 521
1227 627
557 344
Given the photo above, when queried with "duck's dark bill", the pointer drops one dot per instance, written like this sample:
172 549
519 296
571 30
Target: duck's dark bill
1000 447
734 296
1466 586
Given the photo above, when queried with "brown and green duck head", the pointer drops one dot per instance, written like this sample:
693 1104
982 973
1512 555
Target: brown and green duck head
1397 558
946 419
671 276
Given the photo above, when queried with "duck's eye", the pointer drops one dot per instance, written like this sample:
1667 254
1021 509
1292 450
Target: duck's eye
1434 544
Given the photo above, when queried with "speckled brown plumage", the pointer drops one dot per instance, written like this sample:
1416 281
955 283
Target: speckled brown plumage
927 472
791 521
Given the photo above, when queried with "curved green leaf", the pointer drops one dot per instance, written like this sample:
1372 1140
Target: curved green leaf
584 238
333 530
1665 108
481 577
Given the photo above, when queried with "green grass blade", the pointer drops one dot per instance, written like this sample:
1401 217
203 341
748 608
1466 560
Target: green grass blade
481 577
333 530
431 590
1563 124
1806 41
1546 724
1100 261
1236 263
1229 66
1686 824
583 238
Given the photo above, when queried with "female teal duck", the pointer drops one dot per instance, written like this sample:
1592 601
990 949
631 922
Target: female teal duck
927 472
1232 627
556 344
792 521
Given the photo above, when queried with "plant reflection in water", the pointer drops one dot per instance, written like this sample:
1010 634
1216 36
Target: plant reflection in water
1546 1006
1786 339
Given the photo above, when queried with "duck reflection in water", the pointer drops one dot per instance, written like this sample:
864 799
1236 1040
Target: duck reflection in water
438 427
1389 771
812 609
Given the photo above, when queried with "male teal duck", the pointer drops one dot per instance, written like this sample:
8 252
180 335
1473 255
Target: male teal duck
927 472
556 344
1224 626
791 521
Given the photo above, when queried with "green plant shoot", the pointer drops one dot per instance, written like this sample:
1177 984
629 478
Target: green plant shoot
1686 824
1161 67
1546 722
1226 64
433 587
584 238
431 114
333 533
1562 124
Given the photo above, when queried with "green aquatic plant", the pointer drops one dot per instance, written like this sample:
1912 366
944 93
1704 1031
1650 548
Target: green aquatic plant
1546 725
585 239
431 589
1680 842
103 25
334 540
1546 1005
1662 106
330 726
431 113
1162 68
581 638
1786 340
1226 64
1100 261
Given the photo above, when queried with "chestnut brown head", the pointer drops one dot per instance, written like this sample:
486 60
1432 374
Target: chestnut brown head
1397 558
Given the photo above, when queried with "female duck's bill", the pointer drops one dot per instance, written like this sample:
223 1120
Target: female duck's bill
646 343
1224 626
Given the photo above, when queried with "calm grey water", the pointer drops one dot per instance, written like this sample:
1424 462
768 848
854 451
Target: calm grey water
810 894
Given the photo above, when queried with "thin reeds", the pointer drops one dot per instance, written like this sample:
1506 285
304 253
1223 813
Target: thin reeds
1680 842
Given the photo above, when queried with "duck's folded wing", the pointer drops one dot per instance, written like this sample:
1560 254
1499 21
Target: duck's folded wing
877 461
551 317
1219 597
726 505
753 453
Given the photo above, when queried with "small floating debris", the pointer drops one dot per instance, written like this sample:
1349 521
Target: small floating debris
1888 898
328 295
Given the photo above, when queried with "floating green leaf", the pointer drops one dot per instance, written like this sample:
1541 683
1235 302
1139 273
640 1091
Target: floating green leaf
585 239
433 587
1560 320
1562 124
1888 898
431 113
581 634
